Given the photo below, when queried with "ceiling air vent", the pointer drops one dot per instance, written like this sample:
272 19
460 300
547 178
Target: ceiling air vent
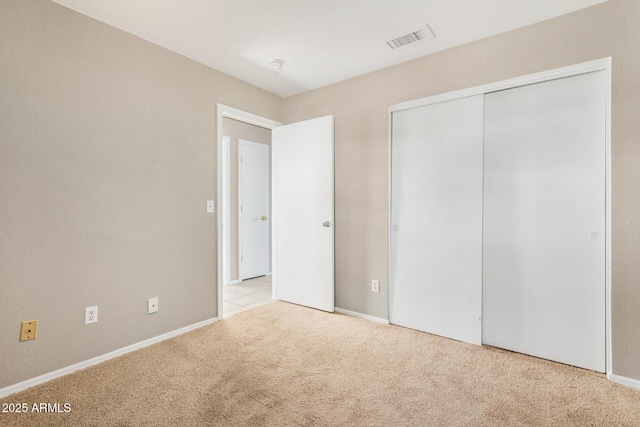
412 38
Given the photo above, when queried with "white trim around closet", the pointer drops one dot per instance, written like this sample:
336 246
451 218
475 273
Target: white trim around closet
603 64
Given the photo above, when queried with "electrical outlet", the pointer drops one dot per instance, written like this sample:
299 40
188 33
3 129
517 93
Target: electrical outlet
153 305
28 330
91 314
375 286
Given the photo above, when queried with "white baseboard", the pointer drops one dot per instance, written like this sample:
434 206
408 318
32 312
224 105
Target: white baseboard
362 316
629 382
4 392
233 282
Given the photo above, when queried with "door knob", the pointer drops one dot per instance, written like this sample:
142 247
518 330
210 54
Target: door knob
326 224
264 218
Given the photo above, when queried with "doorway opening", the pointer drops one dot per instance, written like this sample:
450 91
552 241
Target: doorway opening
238 287
303 215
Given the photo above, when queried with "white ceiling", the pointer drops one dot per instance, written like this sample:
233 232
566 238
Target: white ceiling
321 41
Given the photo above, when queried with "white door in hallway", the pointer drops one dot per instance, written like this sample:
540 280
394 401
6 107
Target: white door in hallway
303 202
544 227
253 189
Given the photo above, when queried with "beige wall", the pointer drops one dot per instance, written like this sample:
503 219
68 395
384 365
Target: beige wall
361 120
107 156
236 130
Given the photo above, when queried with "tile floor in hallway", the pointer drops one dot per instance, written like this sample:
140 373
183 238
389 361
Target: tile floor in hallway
245 295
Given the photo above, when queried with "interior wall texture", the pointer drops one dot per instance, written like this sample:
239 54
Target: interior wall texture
107 158
360 107
236 130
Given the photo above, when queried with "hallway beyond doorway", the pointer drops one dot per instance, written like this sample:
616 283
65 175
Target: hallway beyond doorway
246 295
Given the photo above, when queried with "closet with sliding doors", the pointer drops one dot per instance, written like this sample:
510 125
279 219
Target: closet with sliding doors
498 215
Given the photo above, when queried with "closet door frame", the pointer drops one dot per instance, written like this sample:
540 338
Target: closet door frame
603 64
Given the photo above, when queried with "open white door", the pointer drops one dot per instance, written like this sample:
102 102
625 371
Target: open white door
303 224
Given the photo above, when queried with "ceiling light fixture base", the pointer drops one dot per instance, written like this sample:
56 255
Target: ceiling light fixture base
276 64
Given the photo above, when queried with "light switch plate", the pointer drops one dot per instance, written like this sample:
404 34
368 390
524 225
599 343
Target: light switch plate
210 206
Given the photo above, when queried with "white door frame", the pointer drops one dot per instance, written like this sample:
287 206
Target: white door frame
603 64
224 208
245 117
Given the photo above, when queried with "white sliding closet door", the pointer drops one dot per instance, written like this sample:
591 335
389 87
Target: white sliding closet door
435 266
544 220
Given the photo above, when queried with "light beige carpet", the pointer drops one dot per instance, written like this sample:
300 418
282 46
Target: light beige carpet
285 365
